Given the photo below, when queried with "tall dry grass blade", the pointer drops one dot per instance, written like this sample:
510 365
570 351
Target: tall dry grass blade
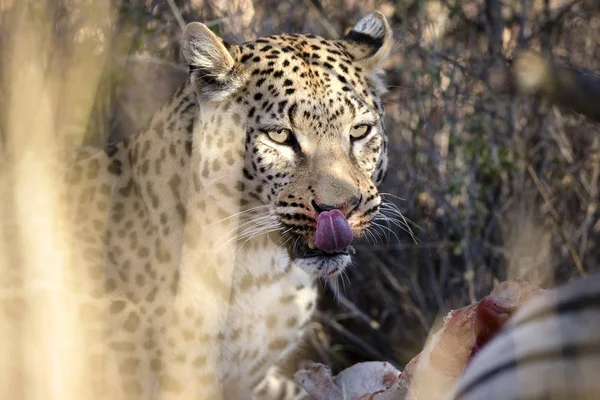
44 343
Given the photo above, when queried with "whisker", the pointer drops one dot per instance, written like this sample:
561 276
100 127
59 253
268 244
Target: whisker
398 218
386 194
402 222
398 223
240 247
344 274
243 213
288 238
256 228
246 221
275 229
371 235
387 221
388 229
388 205
333 284
377 239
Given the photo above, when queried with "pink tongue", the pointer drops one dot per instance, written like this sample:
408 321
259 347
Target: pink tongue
333 232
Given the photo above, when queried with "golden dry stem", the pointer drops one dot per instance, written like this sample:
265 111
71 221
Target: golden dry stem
40 288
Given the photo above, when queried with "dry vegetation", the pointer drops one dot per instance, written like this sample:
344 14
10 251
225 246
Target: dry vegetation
498 184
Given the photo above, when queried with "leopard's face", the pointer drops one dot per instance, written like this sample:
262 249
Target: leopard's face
315 145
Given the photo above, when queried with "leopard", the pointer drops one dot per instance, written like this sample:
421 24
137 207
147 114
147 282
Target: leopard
203 237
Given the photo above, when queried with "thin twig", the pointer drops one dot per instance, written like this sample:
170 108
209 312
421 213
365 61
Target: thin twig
549 24
494 27
354 309
522 41
592 188
317 341
556 219
177 14
391 278
373 352
325 23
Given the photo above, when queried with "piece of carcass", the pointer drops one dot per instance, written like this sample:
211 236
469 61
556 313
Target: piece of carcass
434 371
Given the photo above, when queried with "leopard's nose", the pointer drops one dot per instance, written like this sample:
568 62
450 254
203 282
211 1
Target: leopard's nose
345 207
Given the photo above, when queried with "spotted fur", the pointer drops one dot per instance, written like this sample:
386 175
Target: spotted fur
193 311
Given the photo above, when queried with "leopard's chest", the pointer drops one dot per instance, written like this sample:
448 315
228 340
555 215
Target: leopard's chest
267 318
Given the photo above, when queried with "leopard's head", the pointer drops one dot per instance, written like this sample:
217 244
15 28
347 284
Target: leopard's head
315 143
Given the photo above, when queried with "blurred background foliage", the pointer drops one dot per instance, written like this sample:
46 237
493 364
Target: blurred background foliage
497 185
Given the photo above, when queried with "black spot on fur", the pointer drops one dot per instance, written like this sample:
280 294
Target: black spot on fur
247 175
115 167
111 149
281 106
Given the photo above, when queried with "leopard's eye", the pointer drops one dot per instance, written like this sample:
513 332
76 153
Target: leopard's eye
280 136
360 131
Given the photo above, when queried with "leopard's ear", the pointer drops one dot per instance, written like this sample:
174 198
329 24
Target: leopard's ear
214 71
369 42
